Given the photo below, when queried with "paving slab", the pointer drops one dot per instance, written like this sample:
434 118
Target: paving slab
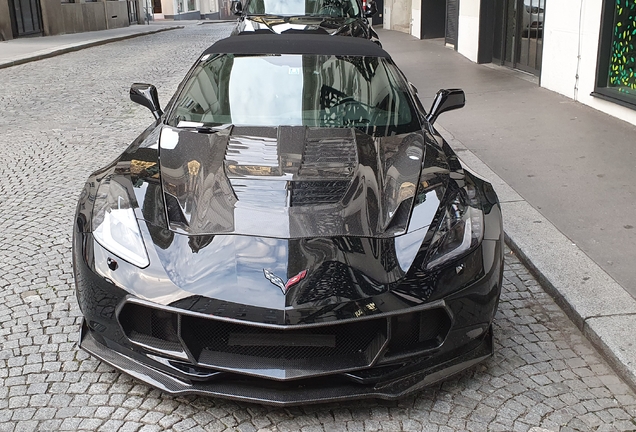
615 336
24 50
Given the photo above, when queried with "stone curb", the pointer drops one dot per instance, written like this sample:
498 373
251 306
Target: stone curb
81 46
601 308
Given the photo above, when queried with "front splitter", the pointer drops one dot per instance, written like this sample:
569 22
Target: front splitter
242 390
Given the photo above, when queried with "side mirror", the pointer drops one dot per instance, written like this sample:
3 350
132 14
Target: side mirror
370 8
146 95
446 100
237 8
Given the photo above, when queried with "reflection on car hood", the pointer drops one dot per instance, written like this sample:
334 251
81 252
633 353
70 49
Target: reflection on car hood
283 24
294 182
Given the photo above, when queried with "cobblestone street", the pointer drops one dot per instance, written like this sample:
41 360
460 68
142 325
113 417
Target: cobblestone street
62 118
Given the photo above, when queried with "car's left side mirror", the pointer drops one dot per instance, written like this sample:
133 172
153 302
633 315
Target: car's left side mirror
237 8
446 100
370 8
146 95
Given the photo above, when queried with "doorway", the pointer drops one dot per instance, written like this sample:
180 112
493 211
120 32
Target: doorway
26 17
518 38
452 22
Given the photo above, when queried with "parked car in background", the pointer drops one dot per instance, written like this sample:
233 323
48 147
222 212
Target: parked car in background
333 17
291 229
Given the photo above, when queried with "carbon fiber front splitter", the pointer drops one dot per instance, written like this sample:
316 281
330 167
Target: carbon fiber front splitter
250 390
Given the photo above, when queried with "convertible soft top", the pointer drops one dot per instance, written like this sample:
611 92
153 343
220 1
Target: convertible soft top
259 43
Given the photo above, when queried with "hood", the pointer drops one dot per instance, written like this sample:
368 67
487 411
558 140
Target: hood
290 24
292 182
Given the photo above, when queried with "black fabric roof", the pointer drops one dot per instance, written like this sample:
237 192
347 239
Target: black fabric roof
254 43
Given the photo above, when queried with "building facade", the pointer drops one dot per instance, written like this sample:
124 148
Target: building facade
20 18
188 9
424 19
583 49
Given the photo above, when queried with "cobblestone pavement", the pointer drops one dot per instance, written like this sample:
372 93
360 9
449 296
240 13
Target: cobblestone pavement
63 117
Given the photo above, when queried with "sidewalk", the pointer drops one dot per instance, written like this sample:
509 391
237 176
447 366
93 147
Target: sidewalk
564 173
24 50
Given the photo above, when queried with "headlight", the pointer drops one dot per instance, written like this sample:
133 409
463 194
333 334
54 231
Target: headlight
115 225
460 230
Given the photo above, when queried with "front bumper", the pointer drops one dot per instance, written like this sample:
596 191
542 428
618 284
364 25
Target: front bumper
391 382
390 371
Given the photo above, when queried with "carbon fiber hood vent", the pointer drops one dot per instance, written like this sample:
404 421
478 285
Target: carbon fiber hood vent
315 192
290 182
329 157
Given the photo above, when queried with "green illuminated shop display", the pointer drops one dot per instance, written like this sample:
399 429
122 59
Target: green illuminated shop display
622 67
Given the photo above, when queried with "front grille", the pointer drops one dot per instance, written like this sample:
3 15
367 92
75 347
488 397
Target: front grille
282 352
297 344
276 352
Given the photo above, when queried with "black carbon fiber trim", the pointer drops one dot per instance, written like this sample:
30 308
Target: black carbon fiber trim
269 393
279 353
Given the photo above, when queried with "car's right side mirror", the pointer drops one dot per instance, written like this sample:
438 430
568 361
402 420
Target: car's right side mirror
446 100
237 8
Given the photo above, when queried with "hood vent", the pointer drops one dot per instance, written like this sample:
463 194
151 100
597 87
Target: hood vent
309 192
329 157
252 156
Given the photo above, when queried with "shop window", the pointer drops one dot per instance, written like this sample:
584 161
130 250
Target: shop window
616 75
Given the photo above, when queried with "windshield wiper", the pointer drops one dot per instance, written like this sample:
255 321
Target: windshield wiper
202 128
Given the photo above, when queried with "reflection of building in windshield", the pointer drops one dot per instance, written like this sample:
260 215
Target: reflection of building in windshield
331 8
297 90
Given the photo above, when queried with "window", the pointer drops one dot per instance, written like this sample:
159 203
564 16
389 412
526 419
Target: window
296 90
329 8
616 75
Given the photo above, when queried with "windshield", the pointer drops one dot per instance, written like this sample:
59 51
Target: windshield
330 8
296 90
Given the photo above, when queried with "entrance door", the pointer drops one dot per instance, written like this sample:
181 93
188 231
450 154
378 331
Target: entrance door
452 21
26 17
518 40
133 13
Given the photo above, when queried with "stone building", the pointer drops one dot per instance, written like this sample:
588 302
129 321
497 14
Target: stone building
52 17
583 49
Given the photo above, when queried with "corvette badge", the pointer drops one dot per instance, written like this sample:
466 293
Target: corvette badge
284 286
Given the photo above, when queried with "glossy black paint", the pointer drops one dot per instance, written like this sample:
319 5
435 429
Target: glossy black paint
446 100
146 95
211 244
334 26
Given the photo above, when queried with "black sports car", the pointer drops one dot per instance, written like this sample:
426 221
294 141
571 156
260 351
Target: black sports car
291 229
332 17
